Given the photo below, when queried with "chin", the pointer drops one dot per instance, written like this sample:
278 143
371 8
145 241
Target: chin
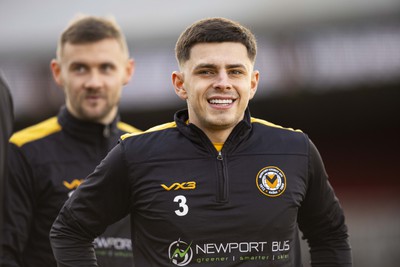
94 111
93 116
221 124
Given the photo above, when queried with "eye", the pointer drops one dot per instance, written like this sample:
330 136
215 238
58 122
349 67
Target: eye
205 72
106 68
79 68
236 72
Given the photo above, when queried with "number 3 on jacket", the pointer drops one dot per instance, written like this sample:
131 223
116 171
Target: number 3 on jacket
183 207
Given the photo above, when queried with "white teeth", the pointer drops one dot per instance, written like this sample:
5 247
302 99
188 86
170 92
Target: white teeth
220 101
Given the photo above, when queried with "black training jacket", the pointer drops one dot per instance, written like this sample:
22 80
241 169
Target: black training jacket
193 206
47 162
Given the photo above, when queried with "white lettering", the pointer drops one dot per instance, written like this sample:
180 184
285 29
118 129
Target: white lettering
280 246
115 243
243 247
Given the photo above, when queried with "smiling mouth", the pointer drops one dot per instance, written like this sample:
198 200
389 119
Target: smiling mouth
223 102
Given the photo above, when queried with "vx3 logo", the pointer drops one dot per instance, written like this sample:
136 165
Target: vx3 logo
176 186
74 184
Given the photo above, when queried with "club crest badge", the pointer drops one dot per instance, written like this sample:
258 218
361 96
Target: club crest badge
271 181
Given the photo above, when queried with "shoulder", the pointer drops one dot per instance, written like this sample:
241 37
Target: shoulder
36 132
156 129
157 141
127 128
272 125
280 138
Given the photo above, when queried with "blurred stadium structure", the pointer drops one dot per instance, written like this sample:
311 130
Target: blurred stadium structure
331 69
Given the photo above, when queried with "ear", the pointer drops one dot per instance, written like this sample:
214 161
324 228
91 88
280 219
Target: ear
129 70
178 83
254 83
56 71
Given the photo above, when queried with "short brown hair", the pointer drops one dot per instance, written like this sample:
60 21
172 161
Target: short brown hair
214 30
88 29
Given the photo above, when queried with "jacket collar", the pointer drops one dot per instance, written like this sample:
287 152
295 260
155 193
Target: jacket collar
86 130
195 134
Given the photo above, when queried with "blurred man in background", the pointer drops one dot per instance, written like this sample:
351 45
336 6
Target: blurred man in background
216 187
49 160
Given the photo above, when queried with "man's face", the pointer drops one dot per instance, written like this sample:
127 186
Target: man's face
92 76
217 82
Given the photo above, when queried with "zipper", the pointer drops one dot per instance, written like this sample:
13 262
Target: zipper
107 131
222 170
106 141
222 195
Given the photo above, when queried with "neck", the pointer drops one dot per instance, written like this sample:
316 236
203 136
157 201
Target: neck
105 120
217 136
109 118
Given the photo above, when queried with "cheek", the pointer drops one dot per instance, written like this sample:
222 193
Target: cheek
62 79
198 90
73 87
114 94
70 93
250 95
114 81
247 91
73 81
194 97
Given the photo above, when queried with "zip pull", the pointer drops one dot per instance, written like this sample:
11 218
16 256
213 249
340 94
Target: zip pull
222 181
106 131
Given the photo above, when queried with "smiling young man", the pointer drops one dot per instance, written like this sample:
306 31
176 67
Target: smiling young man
49 160
215 187
217 82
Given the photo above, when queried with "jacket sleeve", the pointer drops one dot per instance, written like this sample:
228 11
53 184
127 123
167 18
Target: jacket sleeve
321 218
19 202
102 199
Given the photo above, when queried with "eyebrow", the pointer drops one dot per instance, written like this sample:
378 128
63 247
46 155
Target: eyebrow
78 63
235 66
213 66
82 63
75 64
205 66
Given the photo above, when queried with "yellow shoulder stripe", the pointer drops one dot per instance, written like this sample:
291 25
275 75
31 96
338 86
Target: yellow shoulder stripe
127 128
35 132
255 120
152 129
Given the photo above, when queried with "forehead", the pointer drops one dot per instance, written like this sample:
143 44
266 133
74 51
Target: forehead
103 50
219 54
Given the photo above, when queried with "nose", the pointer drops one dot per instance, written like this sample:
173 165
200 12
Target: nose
222 81
93 80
